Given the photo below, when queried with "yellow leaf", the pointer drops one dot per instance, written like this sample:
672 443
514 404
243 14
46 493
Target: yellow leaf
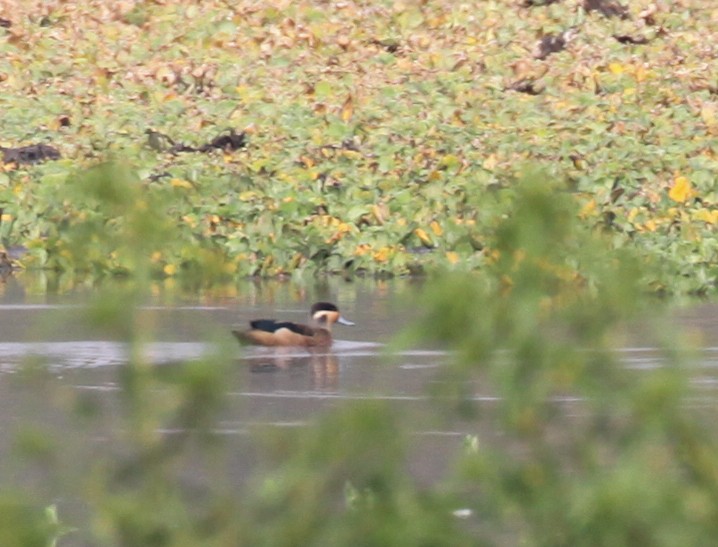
616 68
362 249
436 228
706 215
681 190
180 183
350 154
347 109
452 257
424 237
170 269
434 175
589 209
381 255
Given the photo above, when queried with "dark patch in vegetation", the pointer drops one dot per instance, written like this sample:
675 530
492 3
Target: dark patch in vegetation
616 191
34 153
229 142
346 144
607 8
526 85
648 15
628 39
532 3
390 45
553 43
5 23
158 176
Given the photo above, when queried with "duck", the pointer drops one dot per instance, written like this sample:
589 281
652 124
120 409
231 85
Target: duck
269 332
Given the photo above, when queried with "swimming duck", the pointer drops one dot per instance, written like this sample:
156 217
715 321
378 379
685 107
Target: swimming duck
268 332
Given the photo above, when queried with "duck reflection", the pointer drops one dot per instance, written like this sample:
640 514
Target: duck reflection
323 366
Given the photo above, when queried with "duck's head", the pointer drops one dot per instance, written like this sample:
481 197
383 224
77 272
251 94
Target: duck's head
326 314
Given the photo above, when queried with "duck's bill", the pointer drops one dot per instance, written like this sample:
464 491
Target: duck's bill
343 321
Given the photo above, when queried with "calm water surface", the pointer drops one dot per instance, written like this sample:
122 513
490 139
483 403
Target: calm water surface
276 388
283 388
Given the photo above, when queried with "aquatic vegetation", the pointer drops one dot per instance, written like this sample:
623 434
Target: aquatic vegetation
375 138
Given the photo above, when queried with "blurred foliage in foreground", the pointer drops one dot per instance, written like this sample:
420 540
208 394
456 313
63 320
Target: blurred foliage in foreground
380 135
631 463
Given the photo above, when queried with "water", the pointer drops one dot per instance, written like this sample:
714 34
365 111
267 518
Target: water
81 364
282 383
266 388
